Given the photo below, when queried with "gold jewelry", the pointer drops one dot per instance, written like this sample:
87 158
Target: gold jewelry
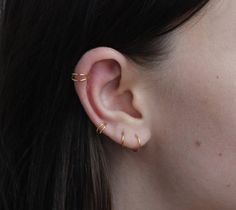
139 143
122 138
101 128
138 139
79 77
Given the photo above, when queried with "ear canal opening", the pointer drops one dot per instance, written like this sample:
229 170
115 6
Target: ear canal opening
132 112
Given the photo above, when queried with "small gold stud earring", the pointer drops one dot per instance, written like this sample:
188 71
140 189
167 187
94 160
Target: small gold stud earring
101 128
79 77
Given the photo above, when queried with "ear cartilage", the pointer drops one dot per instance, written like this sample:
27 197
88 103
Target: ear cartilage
79 77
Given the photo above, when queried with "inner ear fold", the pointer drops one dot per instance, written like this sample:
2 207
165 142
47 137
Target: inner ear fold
104 86
113 100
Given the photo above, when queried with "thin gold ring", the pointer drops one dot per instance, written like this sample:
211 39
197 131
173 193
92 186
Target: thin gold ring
122 138
139 142
101 128
79 77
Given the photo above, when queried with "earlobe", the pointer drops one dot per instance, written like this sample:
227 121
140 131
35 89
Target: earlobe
102 82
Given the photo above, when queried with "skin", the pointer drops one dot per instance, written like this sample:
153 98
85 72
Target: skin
183 111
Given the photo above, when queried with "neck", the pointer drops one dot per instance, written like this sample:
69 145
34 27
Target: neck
134 182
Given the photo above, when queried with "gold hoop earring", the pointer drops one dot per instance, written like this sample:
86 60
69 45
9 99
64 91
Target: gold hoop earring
122 138
139 143
101 128
79 77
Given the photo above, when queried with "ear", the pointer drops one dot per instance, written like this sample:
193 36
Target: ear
109 87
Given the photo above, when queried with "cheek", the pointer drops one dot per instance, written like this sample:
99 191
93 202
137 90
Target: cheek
195 122
198 127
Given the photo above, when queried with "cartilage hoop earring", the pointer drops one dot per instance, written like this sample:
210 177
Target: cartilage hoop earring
79 77
101 128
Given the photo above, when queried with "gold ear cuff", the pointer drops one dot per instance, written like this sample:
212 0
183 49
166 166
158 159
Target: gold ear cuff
79 77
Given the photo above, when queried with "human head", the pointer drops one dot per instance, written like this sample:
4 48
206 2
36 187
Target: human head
51 128
182 108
